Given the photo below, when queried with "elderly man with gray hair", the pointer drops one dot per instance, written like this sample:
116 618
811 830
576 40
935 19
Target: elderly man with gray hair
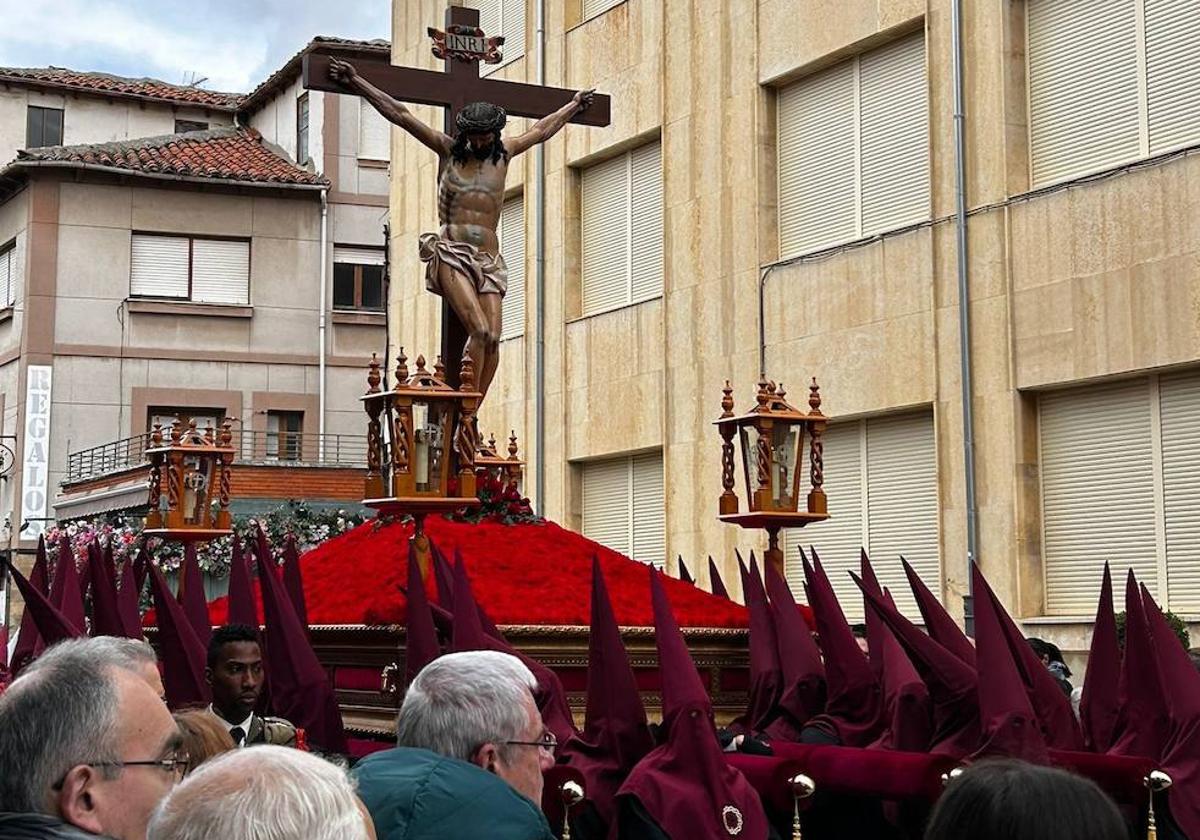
263 793
87 747
472 748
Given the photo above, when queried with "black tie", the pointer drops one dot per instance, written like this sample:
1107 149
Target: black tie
238 735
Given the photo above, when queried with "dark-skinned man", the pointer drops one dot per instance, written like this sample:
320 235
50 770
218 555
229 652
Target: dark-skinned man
235 672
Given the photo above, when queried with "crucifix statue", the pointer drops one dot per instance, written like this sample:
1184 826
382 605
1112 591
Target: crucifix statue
463 263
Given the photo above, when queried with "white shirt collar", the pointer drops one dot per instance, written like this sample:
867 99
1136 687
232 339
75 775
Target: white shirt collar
244 725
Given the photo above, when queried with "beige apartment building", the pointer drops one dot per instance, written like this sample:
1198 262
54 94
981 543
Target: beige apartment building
167 251
808 149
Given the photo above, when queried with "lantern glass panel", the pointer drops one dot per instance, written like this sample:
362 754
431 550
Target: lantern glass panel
785 443
429 446
197 479
749 439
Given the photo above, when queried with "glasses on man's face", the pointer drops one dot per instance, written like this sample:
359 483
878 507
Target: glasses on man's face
547 743
177 764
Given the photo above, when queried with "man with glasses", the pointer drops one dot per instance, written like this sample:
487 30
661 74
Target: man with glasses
472 749
87 748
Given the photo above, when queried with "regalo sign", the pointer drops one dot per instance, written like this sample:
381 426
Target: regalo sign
35 484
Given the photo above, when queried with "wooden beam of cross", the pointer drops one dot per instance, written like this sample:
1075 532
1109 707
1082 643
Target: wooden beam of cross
458 85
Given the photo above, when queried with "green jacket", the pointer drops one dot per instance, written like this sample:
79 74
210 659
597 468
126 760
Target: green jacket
415 794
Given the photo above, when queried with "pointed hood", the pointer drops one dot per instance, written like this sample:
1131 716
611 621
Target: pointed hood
293 581
615 734
1098 706
468 628
951 682
907 709
128 601
685 785
242 609
1142 718
300 690
803 694
941 626
65 593
444 575
420 637
29 640
715 584
1181 757
853 710
1057 719
141 567
766 674
183 655
684 574
106 613
1010 726
191 595
53 626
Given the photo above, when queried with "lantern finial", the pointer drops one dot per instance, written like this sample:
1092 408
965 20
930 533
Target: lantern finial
401 369
466 374
439 367
373 377
814 397
421 366
512 445
763 397
727 400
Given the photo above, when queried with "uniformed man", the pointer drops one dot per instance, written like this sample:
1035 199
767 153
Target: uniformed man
235 673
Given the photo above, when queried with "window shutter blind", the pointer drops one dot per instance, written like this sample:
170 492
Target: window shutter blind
894 135
357 256
606 503
591 8
605 220
220 271
16 271
817 161
513 28
902 503
512 247
839 538
489 19
1096 460
374 133
1179 401
6 274
649 515
646 222
159 266
1083 86
1172 73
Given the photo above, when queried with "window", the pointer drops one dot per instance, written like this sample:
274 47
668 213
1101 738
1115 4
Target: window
1109 81
184 126
284 435
853 149
302 129
190 268
1120 470
165 417
10 273
43 127
374 133
623 506
358 278
591 8
507 18
881 481
622 227
512 248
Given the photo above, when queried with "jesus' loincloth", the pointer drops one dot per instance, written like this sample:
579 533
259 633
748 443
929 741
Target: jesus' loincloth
488 273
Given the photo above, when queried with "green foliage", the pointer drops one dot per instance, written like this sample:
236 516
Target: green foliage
1177 624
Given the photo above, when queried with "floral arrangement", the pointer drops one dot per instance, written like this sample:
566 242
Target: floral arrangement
308 527
502 503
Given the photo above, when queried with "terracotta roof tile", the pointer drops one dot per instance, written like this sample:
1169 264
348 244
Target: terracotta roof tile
107 84
228 154
377 48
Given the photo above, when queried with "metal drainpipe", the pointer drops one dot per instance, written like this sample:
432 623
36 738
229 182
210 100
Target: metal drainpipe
964 313
539 282
321 326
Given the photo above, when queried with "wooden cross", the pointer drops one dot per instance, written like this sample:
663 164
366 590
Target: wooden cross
457 86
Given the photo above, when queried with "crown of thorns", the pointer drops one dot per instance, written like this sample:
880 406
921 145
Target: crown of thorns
480 118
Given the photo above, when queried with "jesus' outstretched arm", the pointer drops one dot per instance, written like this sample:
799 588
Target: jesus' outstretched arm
393 111
547 127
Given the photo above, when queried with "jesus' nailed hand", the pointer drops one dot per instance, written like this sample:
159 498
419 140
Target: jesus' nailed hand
462 260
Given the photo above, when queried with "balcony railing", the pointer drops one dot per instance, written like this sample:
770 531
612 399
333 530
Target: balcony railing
257 447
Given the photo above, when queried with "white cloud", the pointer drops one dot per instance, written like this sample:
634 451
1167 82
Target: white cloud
234 44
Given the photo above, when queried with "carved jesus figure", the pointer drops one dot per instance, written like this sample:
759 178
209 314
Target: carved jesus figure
462 260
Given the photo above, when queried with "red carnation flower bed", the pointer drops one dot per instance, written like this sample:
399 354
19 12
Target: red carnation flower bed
521 574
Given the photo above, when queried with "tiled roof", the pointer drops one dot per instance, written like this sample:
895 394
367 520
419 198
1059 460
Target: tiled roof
109 85
219 154
283 76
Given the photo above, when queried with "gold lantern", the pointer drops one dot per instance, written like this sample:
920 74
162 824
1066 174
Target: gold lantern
772 436
188 468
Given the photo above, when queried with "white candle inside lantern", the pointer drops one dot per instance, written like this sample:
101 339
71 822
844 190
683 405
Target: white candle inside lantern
421 455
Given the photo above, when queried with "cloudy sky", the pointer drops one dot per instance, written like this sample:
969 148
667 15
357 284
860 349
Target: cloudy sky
234 43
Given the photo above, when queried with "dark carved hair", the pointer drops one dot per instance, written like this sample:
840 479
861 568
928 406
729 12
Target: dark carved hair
479 118
227 635
1006 800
